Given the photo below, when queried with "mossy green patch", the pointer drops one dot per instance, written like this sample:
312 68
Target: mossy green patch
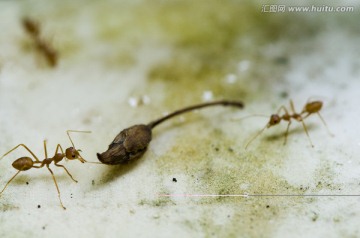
214 163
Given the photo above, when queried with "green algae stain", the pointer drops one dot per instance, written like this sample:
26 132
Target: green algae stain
215 163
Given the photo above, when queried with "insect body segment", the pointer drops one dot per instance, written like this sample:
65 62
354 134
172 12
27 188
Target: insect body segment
26 163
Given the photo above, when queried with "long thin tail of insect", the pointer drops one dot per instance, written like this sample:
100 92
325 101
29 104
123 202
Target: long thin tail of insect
237 104
254 137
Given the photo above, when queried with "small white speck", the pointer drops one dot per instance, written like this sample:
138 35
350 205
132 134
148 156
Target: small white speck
138 101
207 96
146 99
243 65
244 186
181 119
133 102
231 78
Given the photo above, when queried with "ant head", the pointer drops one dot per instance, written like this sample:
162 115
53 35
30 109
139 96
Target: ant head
274 120
313 107
71 153
31 26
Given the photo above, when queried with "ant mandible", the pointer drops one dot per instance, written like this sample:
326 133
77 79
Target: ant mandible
26 163
309 109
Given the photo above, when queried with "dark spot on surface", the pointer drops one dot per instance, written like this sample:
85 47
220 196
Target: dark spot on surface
174 180
43 227
267 206
93 182
315 216
230 149
281 60
217 149
284 94
27 183
39 206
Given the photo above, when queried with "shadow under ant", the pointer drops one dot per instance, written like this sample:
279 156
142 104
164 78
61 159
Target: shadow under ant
26 179
297 130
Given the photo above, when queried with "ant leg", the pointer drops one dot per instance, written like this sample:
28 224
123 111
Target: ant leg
323 121
45 149
10 181
284 109
287 132
62 166
253 138
67 132
292 106
57 149
36 158
307 133
57 187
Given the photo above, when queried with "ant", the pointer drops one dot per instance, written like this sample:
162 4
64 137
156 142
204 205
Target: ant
26 163
309 109
33 29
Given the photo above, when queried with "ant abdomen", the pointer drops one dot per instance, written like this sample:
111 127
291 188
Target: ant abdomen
313 107
23 163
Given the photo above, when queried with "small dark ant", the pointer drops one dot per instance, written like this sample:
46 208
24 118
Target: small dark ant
26 163
309 109
131 143
33 29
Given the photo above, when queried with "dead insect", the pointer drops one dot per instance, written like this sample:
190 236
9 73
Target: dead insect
131 143
33 29
26 163
309 109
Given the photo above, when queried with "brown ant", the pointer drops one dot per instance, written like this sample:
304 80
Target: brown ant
132 142
33 29
26 163
309 109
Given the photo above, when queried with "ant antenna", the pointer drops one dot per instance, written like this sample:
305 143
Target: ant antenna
68 133
254 137
248 116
